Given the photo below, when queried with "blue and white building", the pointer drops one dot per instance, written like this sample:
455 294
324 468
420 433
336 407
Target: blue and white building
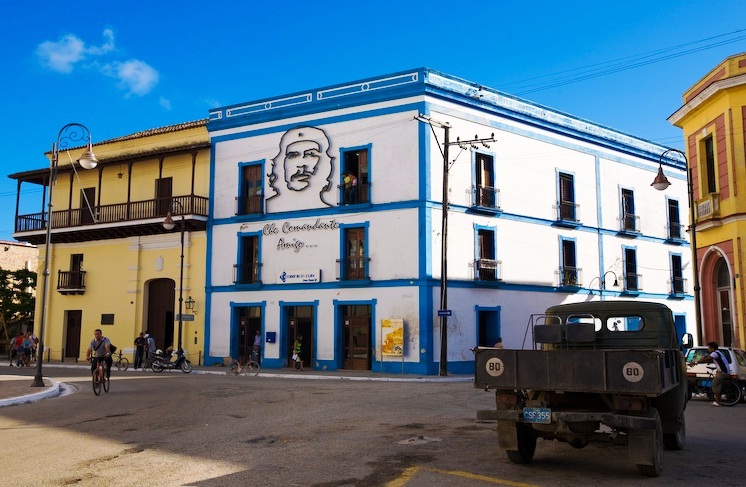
557 209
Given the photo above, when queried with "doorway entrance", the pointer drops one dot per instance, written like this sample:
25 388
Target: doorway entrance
249 322
488 326
299 321
160 324
73 329
356 336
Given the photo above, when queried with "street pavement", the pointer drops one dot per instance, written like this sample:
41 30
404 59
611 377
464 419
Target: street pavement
18 389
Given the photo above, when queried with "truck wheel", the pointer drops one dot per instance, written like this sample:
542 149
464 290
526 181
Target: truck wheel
675 441
654 470
526 445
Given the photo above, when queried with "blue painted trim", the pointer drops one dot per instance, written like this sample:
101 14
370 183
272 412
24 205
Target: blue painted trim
342 151
284 328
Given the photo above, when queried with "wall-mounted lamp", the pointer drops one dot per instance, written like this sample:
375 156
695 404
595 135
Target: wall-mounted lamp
189 303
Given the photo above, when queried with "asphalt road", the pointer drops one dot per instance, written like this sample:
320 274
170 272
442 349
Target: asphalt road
214 430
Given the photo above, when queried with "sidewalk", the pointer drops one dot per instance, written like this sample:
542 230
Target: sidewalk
17 389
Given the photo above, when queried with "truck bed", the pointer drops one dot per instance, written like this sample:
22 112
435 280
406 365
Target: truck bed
638 372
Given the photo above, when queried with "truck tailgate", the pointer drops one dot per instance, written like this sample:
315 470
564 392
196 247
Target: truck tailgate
648 372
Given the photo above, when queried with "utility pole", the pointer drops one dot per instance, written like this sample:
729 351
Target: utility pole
443 311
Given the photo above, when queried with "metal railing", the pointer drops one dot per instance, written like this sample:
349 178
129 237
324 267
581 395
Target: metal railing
119 212
353 268
485 197
246 273
569 276
487 270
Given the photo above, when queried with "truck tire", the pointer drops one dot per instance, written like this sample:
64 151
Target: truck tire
654 470
526 445
675 441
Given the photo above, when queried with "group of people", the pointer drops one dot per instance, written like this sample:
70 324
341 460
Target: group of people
23 348
349 183
144 349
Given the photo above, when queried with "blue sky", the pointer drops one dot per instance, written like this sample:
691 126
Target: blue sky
119 67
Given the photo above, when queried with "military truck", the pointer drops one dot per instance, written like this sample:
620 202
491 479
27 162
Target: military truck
610 371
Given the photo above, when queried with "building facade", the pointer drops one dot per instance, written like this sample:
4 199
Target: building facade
113 265
713 117
327 223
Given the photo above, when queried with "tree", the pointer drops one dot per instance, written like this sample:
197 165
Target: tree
16 300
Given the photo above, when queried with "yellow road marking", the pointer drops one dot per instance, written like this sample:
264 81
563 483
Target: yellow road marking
409 473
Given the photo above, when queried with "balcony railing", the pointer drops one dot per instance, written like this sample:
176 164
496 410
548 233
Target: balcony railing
678 286
709 206
674 231
629 222
246 273
120 212
568 211
632 282
353 268
249 205
71 282
487 270
485 197
569 276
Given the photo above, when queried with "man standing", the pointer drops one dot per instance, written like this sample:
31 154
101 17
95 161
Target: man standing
140 343
99 349
258 346
719 360
151 348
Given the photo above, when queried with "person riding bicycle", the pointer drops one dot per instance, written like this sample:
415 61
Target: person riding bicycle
722 372
99 350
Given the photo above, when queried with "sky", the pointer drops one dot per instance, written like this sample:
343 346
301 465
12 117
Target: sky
123 66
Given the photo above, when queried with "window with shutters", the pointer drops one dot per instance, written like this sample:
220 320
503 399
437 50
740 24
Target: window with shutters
632 280
567 208
250 190
247 270
484 193
568 273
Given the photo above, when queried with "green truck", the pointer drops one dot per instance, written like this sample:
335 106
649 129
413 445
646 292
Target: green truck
610 371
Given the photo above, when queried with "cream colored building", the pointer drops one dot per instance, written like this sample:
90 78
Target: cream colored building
113 265
713 118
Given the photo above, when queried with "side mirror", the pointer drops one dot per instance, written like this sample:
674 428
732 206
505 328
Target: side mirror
687 341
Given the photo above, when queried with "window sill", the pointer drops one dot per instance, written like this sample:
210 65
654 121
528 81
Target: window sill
567 223
355 282
489 210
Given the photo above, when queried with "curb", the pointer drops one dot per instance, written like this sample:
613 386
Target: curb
52 390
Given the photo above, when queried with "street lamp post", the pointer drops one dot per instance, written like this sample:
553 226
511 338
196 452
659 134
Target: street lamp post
660 183
169 225
72 133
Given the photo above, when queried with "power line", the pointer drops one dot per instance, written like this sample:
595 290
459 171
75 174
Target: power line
605 68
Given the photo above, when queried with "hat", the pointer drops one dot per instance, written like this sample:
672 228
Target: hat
147 336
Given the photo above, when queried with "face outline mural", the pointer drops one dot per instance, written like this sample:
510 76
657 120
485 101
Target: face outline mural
306 167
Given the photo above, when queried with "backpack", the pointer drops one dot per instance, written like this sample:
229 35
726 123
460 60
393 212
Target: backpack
720 358
112 347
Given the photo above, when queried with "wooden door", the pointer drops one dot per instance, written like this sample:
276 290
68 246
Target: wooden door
73 328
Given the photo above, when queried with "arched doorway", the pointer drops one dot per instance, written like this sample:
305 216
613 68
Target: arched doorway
160 312
723 300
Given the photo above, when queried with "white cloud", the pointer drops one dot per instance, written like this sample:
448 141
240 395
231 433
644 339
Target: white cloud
165 103
135 76
60 56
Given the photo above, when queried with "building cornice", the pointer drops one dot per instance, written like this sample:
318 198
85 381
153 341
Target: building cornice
704 95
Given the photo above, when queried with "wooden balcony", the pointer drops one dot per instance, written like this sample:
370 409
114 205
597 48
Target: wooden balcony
71 282
119 220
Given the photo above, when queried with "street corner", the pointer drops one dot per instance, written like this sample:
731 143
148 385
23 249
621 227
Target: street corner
16 389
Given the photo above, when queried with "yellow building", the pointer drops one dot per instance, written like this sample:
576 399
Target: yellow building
113 265
713 118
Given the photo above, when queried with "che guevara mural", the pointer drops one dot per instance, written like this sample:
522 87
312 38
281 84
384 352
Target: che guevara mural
301 172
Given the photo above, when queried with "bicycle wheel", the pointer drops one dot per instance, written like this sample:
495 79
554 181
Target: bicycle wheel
730 394
253 368
186 367
123 364
107 383
96 383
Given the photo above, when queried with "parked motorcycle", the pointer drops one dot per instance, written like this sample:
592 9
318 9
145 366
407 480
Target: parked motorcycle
161 362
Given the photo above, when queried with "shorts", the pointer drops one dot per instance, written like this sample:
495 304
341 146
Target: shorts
717 382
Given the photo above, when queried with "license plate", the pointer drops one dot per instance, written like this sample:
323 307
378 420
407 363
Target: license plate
537 415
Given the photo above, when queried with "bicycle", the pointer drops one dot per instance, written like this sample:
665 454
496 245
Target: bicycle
246 367
99 376
121 362
730 393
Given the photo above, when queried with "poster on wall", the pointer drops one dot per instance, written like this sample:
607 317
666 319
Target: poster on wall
392 336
